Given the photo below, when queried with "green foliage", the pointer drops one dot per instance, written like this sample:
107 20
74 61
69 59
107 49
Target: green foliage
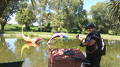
23 5
100 18
12 27
68 14
3 5
106 17
34 28
111 32
61 14
114 15
25 17
42 17
114 10
57 22
60 30
1 20
17 27
7 8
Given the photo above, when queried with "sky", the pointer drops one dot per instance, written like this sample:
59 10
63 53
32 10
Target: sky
87 5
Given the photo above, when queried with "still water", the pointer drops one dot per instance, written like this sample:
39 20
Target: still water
10 49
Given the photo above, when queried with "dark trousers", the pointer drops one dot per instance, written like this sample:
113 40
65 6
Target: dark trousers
94 60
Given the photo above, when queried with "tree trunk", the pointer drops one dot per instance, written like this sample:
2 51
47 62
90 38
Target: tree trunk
2 27
27 27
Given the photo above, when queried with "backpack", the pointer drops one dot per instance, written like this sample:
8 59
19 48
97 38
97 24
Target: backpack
103 49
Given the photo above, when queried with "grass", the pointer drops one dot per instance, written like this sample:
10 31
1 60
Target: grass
71 35
110 37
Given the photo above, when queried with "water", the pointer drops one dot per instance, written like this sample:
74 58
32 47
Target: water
38 57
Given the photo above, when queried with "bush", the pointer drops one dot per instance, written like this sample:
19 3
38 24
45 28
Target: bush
112 32
59 30
63 30
12 27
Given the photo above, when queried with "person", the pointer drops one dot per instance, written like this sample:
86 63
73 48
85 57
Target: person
93 46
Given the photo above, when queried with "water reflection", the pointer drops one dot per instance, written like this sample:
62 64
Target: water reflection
118 56
37 49
38 57
112 42
33 57
27 63
10 42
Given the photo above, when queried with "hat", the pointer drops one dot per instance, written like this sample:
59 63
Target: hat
90 25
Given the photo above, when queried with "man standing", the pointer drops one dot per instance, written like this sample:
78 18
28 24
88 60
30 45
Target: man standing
93 46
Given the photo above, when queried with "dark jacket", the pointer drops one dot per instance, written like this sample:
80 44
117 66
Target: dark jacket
96 48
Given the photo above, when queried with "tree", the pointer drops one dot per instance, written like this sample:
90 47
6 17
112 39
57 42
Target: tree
62 14
114 10
114 15
25 17
39 7
99 14
7 8
68 14
3 5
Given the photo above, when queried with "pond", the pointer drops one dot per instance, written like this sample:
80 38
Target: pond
10 49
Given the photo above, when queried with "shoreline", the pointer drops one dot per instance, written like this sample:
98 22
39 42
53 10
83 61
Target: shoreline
71 36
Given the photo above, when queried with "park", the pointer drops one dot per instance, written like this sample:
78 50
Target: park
43 18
